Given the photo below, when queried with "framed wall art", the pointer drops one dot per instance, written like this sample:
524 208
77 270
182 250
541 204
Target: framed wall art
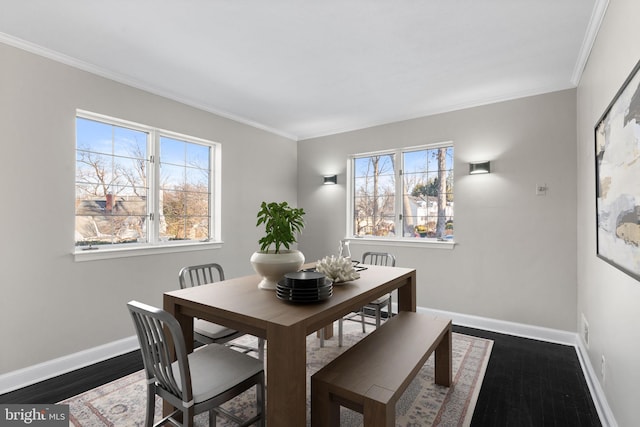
617 143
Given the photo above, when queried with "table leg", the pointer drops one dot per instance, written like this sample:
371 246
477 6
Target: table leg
407 294
186 322
286 376
328 331
443 360
377 414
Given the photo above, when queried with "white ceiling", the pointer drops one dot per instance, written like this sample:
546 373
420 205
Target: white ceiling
311 68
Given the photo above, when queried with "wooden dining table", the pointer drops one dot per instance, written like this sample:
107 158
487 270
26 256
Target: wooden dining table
239 304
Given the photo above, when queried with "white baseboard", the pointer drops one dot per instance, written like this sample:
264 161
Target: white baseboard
27 376
43 371
602 406
542 334
504 327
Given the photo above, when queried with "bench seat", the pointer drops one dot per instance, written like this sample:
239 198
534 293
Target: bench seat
371 376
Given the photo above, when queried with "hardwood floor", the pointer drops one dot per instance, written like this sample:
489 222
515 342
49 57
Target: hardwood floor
527 383
532 383
68 385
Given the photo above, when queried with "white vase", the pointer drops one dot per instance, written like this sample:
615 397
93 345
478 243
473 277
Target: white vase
272 267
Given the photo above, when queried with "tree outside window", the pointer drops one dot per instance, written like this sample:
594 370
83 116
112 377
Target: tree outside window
139 185
428 193
374 201
423 177
184 189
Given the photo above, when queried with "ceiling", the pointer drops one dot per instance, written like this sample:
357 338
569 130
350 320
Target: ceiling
311 68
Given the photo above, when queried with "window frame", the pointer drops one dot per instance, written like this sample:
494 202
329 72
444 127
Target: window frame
399 188
155 245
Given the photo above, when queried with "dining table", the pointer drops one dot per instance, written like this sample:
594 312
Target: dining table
238 303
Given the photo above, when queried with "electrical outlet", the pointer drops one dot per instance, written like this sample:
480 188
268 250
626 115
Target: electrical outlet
585 331
541 189
603 368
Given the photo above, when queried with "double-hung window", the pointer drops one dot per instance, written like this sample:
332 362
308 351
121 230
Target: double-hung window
402 194
139 186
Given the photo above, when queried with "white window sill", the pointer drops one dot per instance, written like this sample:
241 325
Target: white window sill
390 241
105 252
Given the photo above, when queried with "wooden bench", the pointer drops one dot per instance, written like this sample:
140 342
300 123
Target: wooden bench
371 376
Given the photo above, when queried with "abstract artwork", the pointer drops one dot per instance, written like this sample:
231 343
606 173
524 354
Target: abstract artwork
617 140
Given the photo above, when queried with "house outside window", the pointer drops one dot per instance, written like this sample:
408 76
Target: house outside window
141 186
403 194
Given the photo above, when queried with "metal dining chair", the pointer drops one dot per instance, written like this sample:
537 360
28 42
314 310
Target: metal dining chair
376 306
196 382
207 332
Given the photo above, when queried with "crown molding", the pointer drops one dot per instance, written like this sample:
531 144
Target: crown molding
597 15
120 78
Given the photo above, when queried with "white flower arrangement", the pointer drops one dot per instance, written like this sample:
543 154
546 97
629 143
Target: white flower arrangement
338 269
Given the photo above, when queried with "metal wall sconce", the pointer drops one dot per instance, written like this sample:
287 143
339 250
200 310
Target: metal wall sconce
330 179
481 167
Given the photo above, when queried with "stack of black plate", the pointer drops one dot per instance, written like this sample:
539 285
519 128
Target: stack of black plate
304 287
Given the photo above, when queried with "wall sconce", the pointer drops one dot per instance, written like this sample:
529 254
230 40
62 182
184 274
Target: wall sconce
480 167
330 179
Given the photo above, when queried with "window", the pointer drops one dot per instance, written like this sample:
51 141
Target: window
141 186
405 193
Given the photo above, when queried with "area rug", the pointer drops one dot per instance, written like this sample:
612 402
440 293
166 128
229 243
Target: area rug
122 403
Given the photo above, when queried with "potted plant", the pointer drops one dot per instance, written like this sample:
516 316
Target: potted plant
276 258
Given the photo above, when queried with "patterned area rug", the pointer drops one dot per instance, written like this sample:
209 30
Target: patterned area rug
122 403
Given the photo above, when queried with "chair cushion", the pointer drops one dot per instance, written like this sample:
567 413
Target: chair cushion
380 301
212 330
216 368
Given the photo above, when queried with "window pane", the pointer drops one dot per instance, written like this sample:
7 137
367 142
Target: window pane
111 184
131 174
198 156
172 177
197 179
172 151
197 204
374 190
185 185
129 142
110 229
94 136
96 169
187 228
428 193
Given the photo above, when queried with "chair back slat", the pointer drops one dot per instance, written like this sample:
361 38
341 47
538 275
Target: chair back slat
156 330
379 258
197 275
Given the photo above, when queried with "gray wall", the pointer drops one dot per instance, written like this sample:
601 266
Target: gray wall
52 306
608 298
515 256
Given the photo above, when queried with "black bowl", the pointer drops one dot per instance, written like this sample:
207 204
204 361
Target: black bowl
304 279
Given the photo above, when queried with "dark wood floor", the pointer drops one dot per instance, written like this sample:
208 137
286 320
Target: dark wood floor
527 383
532 383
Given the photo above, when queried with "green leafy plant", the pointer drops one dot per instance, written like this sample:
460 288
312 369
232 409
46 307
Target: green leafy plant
281 223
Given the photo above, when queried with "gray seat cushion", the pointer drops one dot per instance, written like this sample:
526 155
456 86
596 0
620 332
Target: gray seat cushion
380 301
212 330
216 368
